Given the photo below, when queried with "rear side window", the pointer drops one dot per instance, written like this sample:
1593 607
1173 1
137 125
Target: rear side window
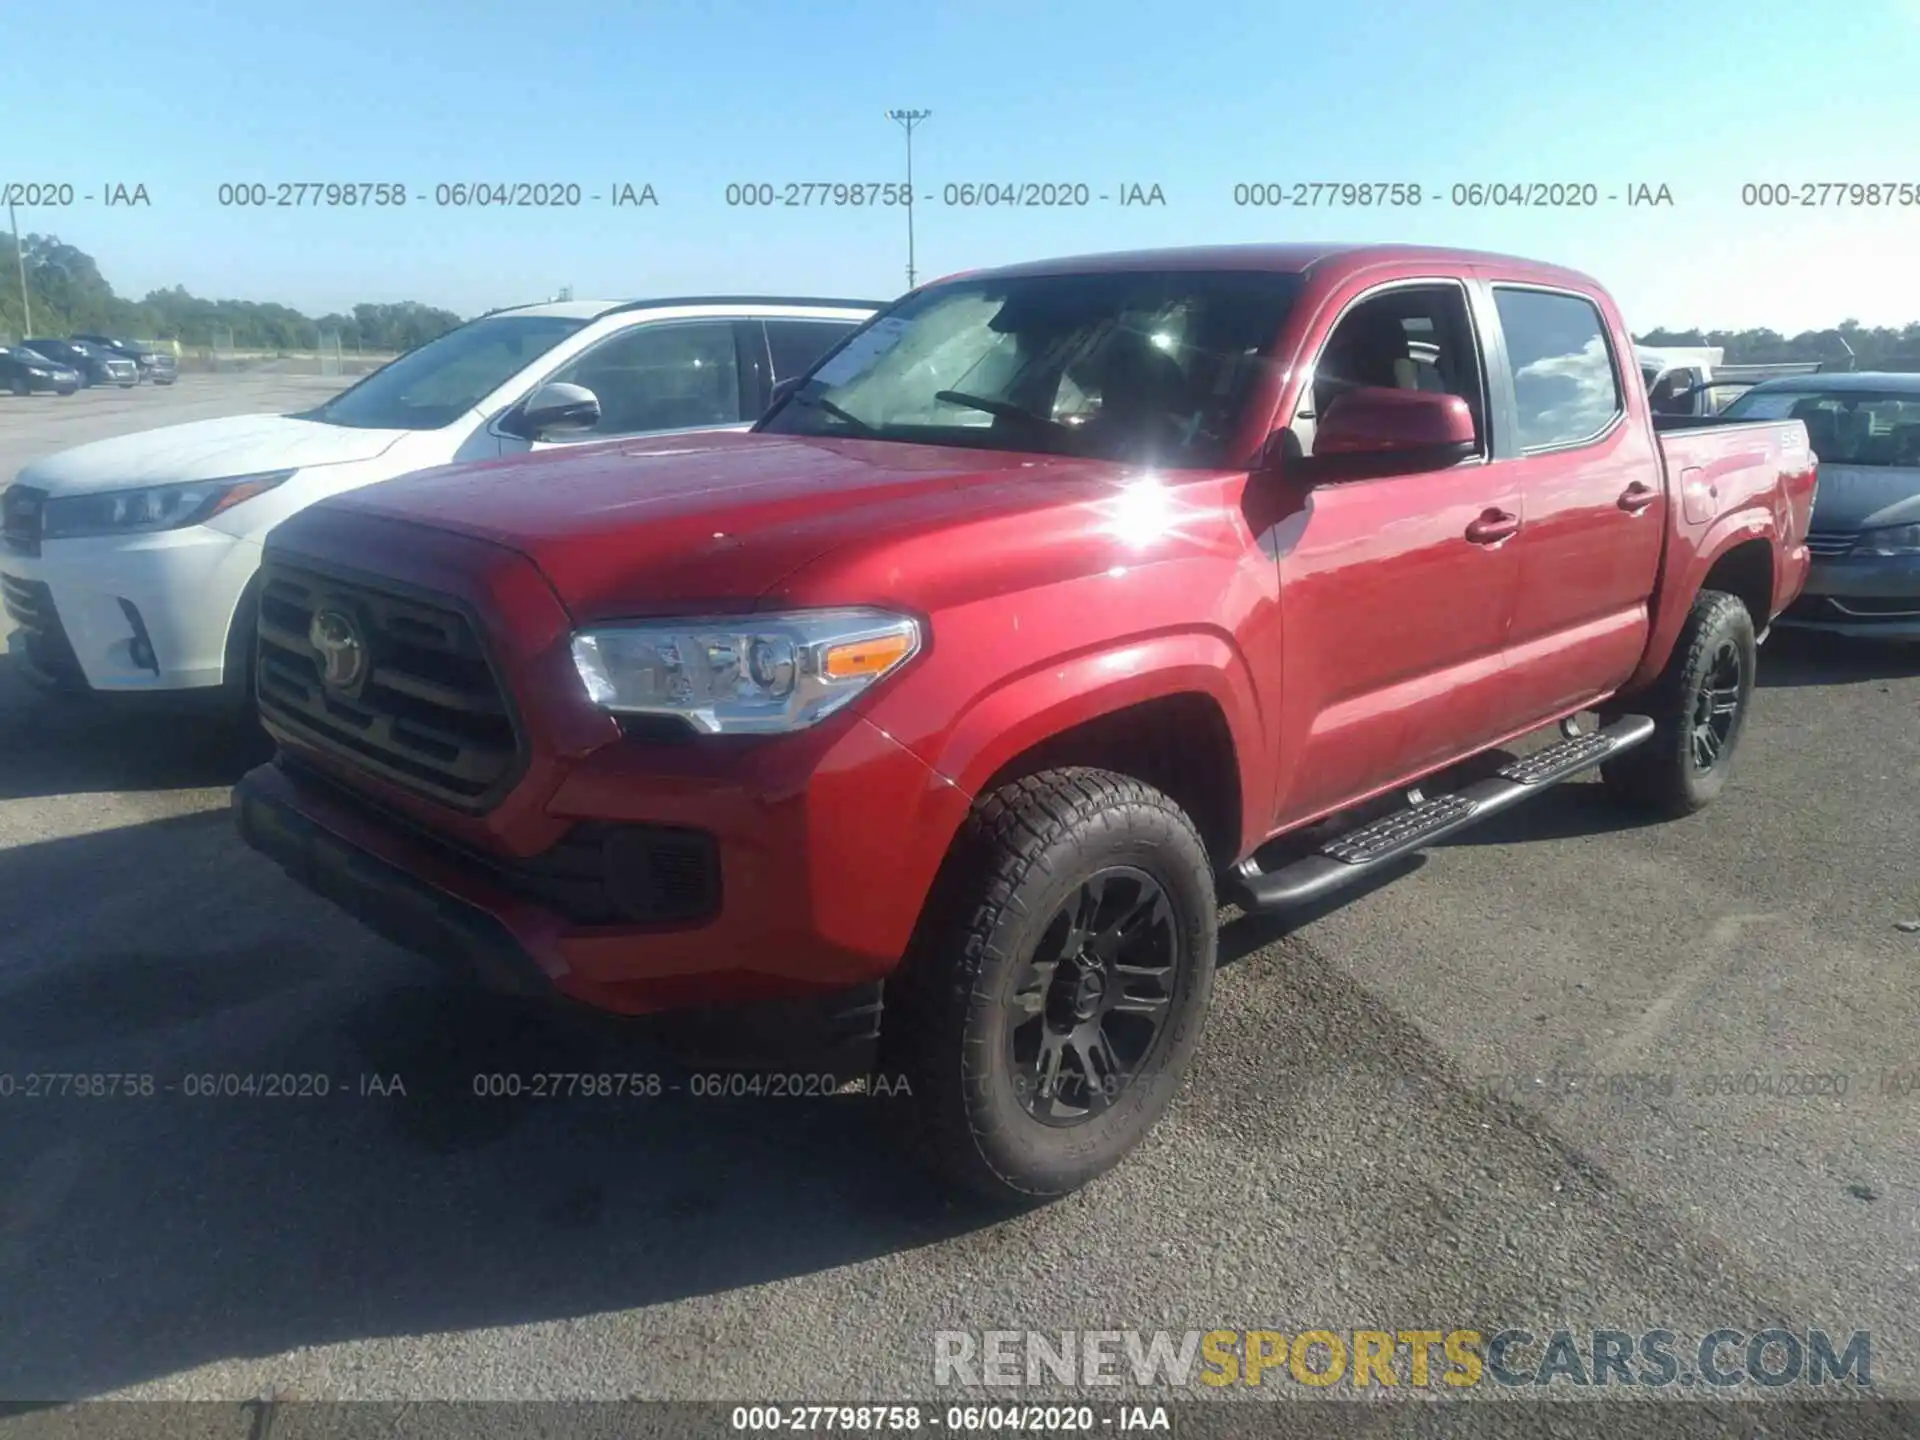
796 344
1565 388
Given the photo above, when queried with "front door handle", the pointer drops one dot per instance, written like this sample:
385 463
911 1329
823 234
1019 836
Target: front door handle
1638 496
1493 526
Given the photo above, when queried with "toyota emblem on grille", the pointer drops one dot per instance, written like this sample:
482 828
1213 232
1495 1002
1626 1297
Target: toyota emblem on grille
343 654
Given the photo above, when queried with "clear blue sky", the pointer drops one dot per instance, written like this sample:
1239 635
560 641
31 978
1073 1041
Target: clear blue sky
688 95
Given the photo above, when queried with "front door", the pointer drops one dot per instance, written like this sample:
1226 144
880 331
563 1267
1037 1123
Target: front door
1396 589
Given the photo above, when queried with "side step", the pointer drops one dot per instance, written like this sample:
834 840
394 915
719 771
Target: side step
1348 857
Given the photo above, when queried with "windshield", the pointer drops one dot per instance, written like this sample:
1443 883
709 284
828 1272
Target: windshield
1845 427
1136 366
443 379
31 356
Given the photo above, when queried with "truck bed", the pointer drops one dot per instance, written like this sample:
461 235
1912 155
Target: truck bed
1724 477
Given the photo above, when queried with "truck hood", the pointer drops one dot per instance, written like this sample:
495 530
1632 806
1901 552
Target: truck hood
1857 497
205 450
681 524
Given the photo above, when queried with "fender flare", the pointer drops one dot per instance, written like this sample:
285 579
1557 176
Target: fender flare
1675 604
1024 709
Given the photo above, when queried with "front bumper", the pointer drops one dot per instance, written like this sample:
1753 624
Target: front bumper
423 893
821 852
71 606
1866 597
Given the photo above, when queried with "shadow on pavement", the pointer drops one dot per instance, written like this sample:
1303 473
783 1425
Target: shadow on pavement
382 1192
56 746
1794 659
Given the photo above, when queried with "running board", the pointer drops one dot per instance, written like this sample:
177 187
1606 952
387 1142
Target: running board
1358 852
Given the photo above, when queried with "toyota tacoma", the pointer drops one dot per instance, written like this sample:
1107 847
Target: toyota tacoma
1055 606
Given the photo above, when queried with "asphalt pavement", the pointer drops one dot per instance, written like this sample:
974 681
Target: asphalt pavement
1492 1092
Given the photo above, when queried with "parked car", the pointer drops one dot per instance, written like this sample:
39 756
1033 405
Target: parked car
24 371
155 362
130 561
96 366
1045 613
1865 540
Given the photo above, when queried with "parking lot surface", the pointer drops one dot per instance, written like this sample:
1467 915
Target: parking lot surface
1348 1152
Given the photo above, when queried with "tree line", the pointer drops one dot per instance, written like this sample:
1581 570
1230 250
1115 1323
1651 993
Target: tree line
69 295
1870 346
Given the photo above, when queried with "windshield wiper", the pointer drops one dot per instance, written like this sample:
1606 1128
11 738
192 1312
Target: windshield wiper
1000 409
838 413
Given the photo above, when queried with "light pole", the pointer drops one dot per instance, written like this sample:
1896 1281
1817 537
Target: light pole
20 255
906 120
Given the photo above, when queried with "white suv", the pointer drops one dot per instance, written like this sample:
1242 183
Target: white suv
126 564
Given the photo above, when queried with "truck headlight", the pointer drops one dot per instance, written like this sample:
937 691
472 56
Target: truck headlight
744 674
152 507
1889 540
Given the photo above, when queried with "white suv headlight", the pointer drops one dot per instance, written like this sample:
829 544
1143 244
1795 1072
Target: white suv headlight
152 507
744 674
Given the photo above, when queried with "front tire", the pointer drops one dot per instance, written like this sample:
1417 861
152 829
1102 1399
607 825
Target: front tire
1699 708
1047 1012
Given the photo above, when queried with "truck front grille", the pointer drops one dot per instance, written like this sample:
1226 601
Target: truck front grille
424 709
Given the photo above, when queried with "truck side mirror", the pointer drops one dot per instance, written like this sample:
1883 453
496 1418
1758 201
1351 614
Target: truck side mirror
1410 429
556 409
781 391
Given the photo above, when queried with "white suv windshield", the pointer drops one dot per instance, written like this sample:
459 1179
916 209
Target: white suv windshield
443 379
1135 366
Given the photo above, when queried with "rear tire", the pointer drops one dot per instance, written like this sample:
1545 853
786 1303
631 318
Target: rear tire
1049 1005
1699 709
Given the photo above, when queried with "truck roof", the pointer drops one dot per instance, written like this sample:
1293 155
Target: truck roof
1300 258
594 309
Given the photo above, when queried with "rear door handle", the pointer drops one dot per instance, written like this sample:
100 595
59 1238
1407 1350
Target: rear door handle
1492 527
1637 496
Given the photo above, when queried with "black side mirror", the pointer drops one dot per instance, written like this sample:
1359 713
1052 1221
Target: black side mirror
555 409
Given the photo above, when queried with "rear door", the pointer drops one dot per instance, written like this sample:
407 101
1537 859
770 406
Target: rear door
1579 444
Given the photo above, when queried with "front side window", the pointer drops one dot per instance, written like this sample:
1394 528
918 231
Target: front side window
1845 427
443 379
1411 337
667 376
1134 366
1565 388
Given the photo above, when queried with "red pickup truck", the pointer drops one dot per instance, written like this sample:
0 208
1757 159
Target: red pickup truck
1054 607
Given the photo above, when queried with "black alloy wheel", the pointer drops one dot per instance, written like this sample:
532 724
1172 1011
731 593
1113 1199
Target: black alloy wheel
1716 708
1698 707
1093 997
